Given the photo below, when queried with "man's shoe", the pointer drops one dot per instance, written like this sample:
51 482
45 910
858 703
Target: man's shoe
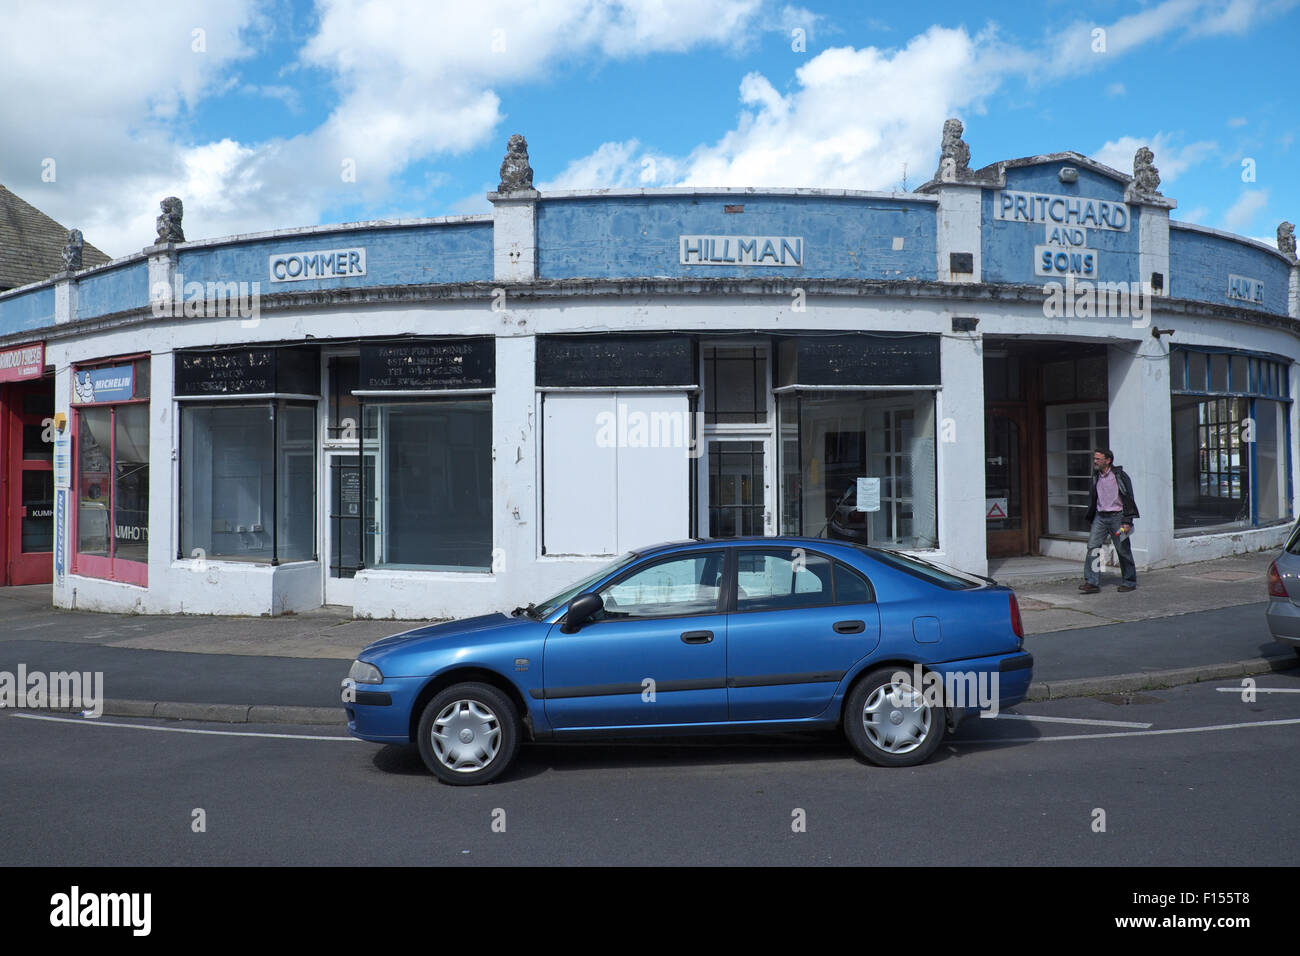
1091 588
1126 587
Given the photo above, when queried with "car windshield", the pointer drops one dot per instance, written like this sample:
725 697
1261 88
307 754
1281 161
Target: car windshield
548 606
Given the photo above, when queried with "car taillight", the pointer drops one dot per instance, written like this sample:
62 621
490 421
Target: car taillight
1016 625
1275 586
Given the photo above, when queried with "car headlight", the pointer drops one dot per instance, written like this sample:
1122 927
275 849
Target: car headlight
363 673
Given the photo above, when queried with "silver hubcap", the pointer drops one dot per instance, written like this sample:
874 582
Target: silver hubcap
896 718
466 736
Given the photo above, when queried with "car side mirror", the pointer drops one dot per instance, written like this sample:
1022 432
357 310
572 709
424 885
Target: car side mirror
581 609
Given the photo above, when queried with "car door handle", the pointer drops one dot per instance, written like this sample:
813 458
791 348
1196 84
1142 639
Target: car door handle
849 627
697 637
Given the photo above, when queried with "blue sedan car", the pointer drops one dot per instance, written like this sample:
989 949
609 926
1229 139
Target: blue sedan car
749 635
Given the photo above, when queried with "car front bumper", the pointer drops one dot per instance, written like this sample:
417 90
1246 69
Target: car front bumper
381 713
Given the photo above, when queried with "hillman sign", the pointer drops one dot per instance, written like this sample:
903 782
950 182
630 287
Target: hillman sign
741 250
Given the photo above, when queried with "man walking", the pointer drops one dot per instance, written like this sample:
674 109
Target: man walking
1112 511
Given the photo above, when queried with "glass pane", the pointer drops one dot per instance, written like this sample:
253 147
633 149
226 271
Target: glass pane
226 481
1196 380
131 483
344 411
296 483
94 447
1002 473
788 445
1218 373
142 378
345 514
35 446
851 587
38 512
775 580
432 492
39 402
678 586
1238 369
735 385
736 499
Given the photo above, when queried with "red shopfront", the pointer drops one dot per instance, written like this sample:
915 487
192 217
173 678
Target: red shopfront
26 467
110 464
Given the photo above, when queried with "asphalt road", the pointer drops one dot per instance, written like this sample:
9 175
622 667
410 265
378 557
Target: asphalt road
1207 783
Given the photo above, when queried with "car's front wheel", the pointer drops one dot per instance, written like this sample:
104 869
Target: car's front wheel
469 734
888 721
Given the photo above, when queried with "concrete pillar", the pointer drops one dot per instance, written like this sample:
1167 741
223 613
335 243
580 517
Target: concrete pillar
1140 436
65 297
959 410
1293 293
514 235
514 470
1153 245
959 230
162 278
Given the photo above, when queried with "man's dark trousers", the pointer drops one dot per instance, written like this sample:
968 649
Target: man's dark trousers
1104 527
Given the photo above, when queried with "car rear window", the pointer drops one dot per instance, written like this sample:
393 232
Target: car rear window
940 576
1293 546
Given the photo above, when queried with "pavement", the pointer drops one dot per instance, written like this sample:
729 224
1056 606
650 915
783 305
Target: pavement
1185 624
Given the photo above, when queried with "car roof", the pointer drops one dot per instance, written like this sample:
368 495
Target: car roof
766 540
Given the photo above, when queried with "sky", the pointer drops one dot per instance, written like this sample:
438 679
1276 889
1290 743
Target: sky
269 114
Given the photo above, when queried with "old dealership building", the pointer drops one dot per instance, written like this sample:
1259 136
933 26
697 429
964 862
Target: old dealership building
440 417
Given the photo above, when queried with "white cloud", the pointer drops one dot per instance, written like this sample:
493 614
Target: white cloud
1116 89
854 118
1172 161
1195 216
1237 121
408 81
1242 212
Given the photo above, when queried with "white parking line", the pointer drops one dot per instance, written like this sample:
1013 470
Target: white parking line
1074 720
1259 690
175 730
1136 733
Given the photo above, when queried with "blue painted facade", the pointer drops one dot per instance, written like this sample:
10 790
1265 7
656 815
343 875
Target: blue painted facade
27 311
457 252
113 290
843 238
1008 248
1201 263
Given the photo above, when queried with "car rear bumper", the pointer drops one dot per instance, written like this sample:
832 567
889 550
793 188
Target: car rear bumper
985 684
1283 619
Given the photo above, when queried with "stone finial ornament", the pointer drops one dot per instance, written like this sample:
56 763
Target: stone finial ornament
1286 240
72 250
1146 178
954 154
169 223
516 174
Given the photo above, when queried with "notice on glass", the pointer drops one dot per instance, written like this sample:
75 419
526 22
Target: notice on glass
868 494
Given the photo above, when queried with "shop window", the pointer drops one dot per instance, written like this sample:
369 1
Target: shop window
248 481
112 470
1231 455
429 504
878 444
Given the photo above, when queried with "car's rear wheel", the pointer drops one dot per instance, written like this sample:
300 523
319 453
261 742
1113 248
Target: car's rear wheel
469 734
888 721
